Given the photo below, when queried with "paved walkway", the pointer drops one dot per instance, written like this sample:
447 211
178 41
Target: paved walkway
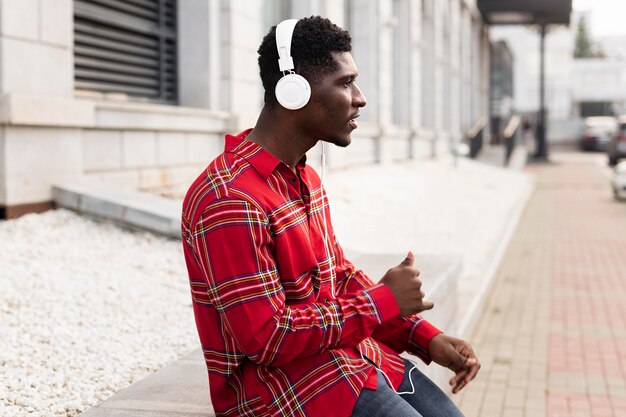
552 337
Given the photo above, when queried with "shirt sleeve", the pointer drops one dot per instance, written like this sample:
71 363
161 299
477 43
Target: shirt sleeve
233 246
412 334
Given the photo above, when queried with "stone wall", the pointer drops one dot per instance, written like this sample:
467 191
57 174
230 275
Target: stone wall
50 132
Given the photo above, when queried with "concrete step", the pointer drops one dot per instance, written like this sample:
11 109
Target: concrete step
124 206
178 390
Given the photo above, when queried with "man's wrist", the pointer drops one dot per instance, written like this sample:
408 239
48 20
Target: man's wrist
383 301
422 333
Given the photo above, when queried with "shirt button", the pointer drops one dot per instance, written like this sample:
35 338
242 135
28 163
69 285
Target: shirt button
326 300
292 180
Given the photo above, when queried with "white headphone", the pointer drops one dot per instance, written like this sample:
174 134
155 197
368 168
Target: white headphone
292 90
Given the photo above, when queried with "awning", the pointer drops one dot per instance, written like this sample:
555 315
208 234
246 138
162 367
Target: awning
525 12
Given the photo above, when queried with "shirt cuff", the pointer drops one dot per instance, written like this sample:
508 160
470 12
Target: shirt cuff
422 332
383 301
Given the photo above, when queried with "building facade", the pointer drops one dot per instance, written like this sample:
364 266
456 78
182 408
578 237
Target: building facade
524 44
599 87
501 92
576 87
140 92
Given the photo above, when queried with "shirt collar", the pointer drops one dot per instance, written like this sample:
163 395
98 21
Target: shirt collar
260 159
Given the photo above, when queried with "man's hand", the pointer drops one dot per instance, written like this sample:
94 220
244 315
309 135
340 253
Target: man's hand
457 355
406 287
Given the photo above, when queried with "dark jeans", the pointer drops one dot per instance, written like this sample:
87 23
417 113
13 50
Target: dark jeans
427 400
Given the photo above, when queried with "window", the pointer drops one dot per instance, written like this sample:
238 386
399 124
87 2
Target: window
596 108
126 47
401 64
428 65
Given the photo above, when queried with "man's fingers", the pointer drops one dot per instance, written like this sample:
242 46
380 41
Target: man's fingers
459 387
427 304
408 261
472 371
469 362
464 376
458 381
459 376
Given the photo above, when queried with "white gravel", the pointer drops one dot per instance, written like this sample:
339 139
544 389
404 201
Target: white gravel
88 308
85 310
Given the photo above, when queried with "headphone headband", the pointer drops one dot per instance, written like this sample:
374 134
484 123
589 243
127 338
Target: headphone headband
284 33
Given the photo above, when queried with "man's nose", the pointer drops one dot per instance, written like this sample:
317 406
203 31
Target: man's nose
359 99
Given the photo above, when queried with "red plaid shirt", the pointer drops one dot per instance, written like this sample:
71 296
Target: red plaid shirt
275 340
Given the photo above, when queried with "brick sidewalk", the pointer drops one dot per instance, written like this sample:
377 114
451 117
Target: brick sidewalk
552 337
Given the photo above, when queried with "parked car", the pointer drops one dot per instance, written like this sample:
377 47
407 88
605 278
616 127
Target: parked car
597 132
619 181
616 148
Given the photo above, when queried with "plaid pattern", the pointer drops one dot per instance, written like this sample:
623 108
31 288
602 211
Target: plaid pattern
276 342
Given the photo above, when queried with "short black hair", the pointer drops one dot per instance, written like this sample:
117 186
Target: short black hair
314 39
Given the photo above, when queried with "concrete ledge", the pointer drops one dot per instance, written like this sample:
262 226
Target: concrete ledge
29 110
181 388
95 112
178 390
477 301
124 206
152 117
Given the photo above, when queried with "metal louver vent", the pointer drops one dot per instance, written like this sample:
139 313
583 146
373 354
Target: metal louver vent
126 46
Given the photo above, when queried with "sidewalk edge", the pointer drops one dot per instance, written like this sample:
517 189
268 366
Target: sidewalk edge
469 320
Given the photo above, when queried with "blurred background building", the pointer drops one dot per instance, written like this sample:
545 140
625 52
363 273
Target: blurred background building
140 92
502 90
579 83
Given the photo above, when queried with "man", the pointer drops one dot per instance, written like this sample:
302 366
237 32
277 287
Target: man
288 326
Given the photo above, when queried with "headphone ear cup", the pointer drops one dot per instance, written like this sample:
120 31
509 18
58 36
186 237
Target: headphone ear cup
293 91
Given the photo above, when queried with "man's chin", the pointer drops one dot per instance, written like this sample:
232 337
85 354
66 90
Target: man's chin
342 142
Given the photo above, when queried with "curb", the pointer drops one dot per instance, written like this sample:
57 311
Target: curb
468 321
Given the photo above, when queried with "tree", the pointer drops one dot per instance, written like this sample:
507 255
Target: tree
584 45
